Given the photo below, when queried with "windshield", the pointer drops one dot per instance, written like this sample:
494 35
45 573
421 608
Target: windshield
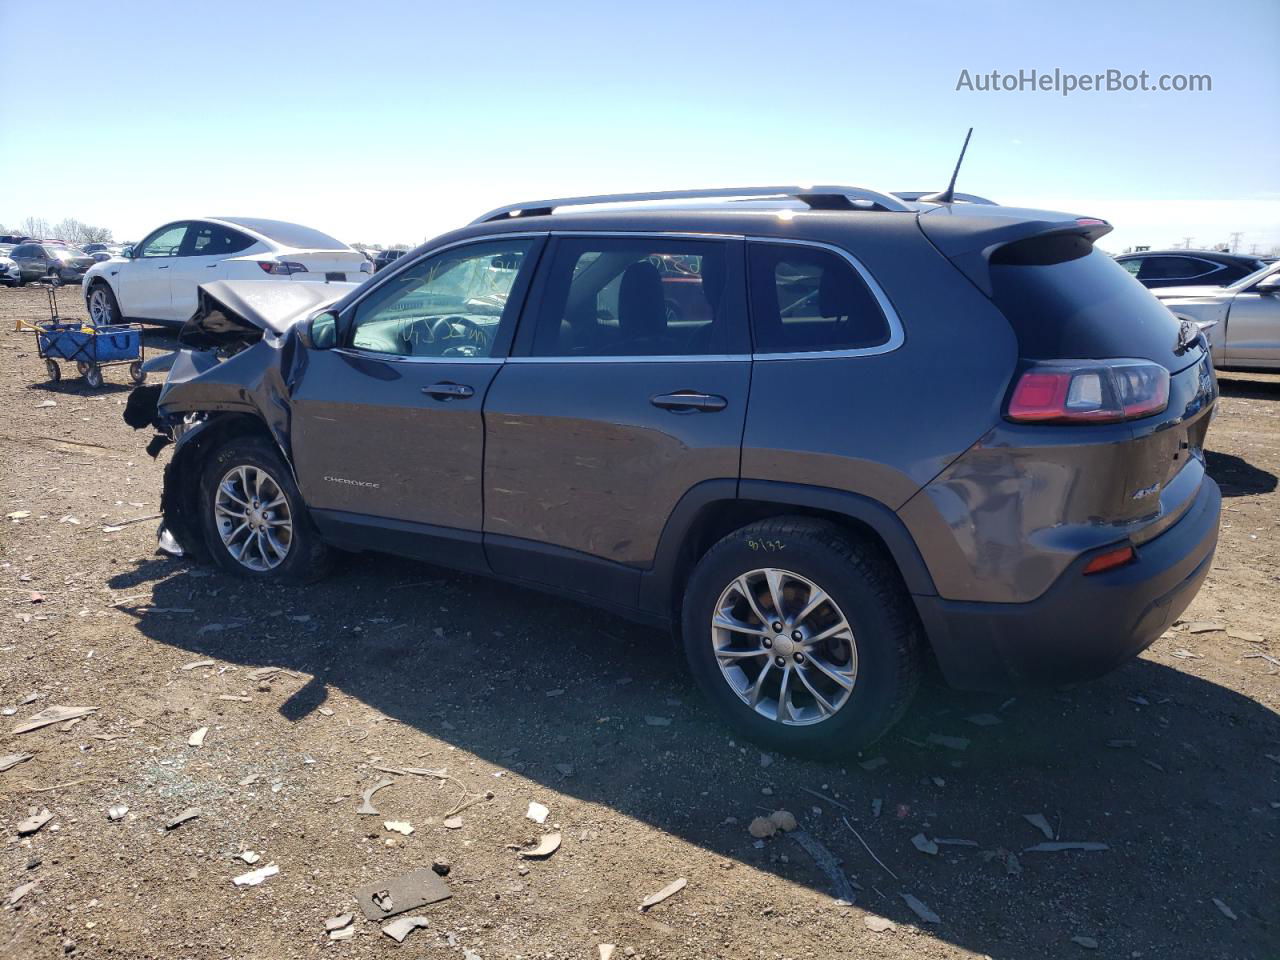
67 253
1254 277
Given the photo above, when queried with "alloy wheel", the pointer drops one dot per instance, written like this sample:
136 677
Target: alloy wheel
784 646
253 518
99 307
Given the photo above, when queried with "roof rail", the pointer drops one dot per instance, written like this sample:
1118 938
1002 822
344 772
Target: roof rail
962 197
818 198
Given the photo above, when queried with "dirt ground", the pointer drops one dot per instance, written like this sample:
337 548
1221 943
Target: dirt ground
1173 762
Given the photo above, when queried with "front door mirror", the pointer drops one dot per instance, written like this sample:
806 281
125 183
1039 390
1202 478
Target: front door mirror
1268 285
320 332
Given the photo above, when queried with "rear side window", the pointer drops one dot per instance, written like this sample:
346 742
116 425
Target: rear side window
806 299
647 296
209 239
1065 299
1175 268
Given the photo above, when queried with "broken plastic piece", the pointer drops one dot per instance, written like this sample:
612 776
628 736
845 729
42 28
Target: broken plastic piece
367 809
255 877
34 822
189 814
53 714
197 738
116 811
670 890
920 909
403 893
537 812
543 848
12 760
397 930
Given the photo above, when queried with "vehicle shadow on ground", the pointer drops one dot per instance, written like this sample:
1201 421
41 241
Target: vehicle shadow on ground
1163 766
1260 387
1236 476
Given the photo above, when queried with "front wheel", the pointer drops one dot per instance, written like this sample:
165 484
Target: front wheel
802 636
93 375
54 371
103 309
255 523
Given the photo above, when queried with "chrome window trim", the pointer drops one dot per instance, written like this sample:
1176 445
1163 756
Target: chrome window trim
897 336
670 358
398 358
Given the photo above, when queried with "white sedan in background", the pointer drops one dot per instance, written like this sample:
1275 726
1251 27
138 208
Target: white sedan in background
156 281
1241 320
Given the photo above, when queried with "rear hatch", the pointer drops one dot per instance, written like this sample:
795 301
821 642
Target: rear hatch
342 265
1067 300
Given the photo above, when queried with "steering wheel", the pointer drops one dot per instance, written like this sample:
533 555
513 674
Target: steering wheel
475 340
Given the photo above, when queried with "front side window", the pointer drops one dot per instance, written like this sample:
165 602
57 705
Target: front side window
619 297
449 305
165 242
807 299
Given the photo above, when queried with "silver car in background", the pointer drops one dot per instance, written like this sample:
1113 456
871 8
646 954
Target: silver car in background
1242 320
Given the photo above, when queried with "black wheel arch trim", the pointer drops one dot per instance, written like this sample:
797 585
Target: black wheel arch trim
657 583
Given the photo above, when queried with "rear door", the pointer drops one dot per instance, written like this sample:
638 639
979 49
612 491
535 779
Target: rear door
143 284
626 390
387 433
201 259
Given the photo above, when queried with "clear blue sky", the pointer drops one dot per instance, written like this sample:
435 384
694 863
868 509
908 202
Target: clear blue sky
391 122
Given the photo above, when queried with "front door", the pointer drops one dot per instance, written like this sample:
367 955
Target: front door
143 286
388 437
627 390
1253 330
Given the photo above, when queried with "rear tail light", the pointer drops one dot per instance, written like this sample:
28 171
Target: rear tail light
1110 560
281 267
1088 391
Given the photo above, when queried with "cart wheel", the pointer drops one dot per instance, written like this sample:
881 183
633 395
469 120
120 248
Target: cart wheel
136 373
81 367
93 376
55 371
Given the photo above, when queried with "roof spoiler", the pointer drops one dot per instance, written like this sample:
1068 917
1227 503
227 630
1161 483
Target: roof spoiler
970 236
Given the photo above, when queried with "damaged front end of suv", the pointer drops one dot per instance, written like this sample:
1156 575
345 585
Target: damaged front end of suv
239 356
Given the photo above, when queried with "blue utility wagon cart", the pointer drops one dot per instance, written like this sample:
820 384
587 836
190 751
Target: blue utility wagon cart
89 347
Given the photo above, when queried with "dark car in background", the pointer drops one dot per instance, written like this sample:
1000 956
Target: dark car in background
385 258
1188 268
819 437
53 260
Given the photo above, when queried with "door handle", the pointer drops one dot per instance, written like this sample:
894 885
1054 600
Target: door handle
211 266
449 391
686 401
163 266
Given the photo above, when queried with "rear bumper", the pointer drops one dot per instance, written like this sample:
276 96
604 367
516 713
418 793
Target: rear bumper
1081 627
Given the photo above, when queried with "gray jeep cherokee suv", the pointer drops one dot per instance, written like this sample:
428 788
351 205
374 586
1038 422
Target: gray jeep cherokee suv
820 433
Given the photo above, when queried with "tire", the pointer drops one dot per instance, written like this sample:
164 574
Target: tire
54 371
136 373
306 556
93 376
107 308
880 656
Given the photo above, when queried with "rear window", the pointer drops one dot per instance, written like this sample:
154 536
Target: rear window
1066 300
290 234
807 299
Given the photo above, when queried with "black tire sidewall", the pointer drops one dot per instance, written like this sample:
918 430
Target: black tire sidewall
877 686
299 565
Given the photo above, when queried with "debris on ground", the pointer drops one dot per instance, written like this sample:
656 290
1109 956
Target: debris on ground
338 922
398 929
984 720
249 856
197 738
13 759
189 814
607 950
367 809
34 822
537 812
543 848
1061 845
658 721
762 827
868 849
1204 626
875 763
1224 909
453 823
387 898
784 820
255 877
920 909
564 769
924 844
1182 653
398 826
1089 943
951 743
116 811
18 892
1244 635
1038 821
878 924
842 889
196 663
670 890
51 715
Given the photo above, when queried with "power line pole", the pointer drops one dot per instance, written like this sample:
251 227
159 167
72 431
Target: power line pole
1186 243
1235 240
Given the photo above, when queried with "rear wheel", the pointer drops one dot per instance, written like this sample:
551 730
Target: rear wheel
93 375
255 523
103 308
54 371
136 373
803 637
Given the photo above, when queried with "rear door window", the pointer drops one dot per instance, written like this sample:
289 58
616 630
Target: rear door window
808 299
210 239
647 296
1174 268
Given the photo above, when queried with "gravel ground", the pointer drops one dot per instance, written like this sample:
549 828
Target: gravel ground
1173 762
